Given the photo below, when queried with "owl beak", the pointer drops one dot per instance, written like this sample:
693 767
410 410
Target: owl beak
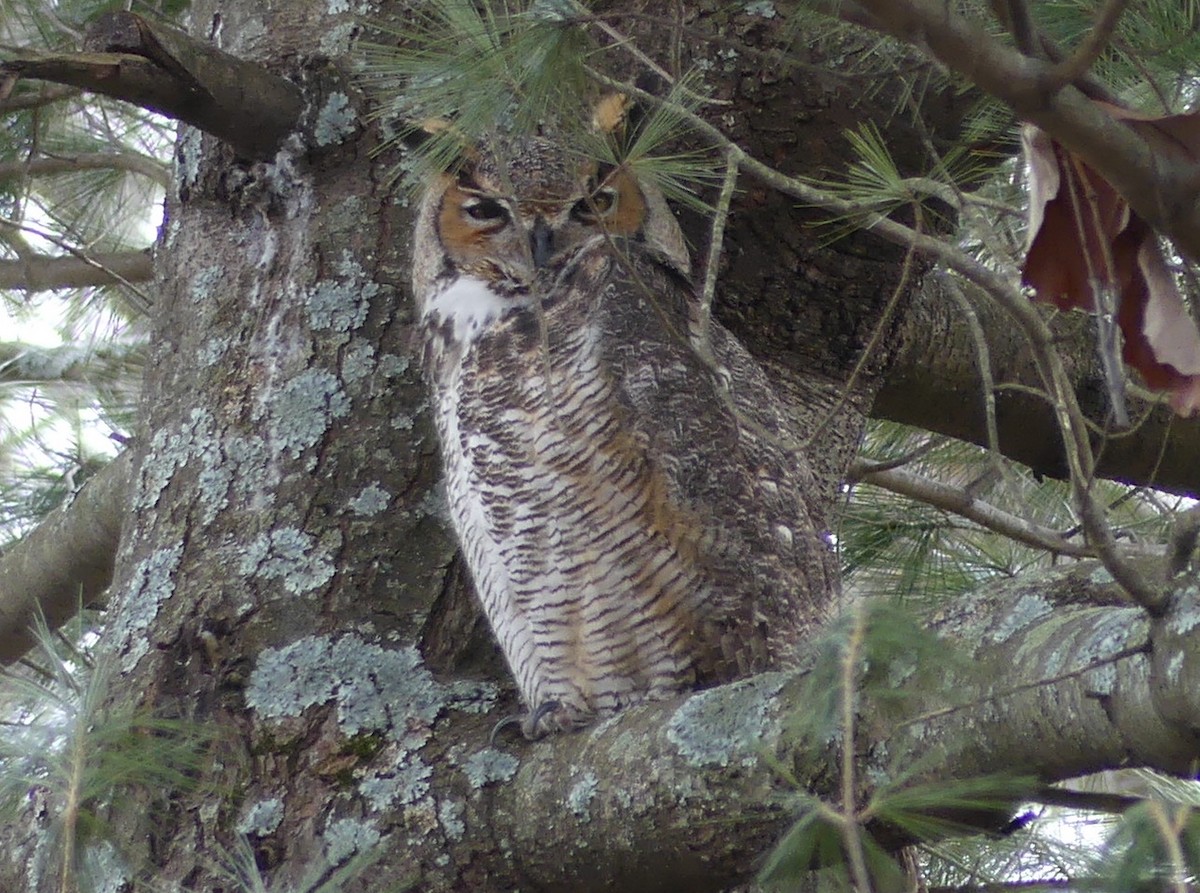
541 242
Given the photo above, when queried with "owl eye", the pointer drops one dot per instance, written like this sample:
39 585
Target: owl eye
486 210
599 204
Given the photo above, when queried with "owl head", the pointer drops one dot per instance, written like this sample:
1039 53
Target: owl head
510 212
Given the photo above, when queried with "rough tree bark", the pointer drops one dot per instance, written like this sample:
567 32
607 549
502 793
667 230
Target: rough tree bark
285 576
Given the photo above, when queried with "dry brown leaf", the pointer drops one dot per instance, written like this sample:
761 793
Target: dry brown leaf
1085 242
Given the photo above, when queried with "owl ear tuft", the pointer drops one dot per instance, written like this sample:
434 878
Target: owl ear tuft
619 117
611 115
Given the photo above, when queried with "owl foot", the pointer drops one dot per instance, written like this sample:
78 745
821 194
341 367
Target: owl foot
528 722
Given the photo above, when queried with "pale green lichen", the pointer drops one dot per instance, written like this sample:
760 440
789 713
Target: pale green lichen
336 41
764 9
291 556
489 765
581 794
371 501
1175 666
205 284
393 365
399 787
170 451
1028 610
358 362
1111 632
725 726
262 818
376 689
1185 616
346 837
301 414
450 816
150 585
187 155
474 696
104 868
341 304
212 350
336 120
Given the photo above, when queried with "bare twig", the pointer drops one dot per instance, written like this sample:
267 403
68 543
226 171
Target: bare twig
1101 283
984 359
717 239
1020 24
868 350
1080 61
962 503
851 832
166 71
1154 184
62 164
144 301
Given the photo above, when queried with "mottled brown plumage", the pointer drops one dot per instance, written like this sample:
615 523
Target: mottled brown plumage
625 489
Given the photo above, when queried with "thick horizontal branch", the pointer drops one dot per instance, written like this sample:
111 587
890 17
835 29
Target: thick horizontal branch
684 795
67 561
165 71
113 363
67 164
41 273
935 383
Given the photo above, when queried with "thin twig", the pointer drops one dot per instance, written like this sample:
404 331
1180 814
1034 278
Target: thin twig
145 302
1080 62
1020 25
912 455
717 239
1101 283
629 46
962 503
851 833
1043 682
983 356
868 350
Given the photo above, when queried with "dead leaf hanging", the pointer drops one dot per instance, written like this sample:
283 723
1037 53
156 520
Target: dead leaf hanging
1089 250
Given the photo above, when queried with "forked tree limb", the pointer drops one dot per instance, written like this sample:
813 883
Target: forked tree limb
166 71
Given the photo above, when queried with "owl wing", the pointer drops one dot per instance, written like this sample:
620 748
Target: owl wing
721 446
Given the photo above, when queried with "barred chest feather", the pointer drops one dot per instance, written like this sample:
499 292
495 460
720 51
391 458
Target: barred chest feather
582 568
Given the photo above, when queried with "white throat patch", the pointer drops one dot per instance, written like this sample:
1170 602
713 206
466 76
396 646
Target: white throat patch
471 305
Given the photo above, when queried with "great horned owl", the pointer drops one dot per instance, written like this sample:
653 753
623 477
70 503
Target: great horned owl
621 477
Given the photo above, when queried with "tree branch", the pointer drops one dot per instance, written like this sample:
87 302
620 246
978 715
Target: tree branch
69 363
686 794
962 503
67 561
166 71
934 384
1094 42
42 273
66 164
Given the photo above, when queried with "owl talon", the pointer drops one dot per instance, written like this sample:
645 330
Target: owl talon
528 722
512 720
529 726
